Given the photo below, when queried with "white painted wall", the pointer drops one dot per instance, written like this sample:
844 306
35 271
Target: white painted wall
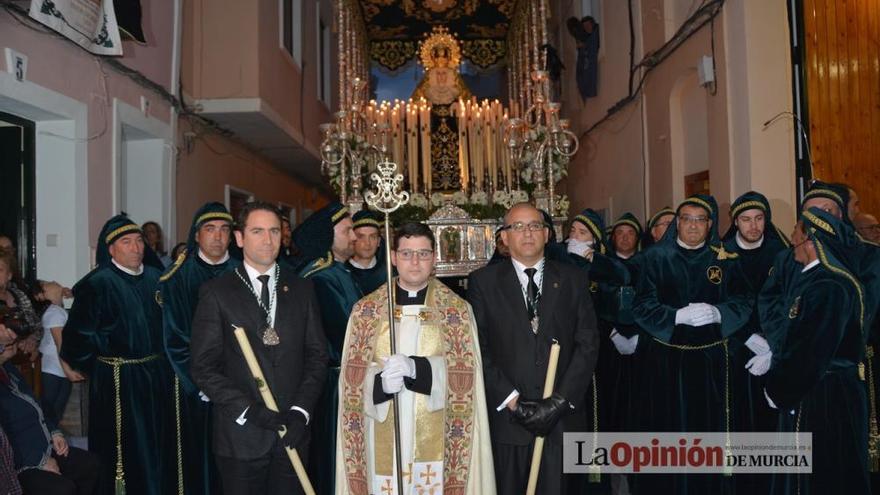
142 170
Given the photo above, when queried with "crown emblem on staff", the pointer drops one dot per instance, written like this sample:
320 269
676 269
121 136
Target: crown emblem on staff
387 196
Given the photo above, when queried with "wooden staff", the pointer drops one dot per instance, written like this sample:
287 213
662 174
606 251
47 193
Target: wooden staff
549 382
269 400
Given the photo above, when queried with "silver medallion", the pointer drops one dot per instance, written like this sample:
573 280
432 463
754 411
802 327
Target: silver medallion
270 336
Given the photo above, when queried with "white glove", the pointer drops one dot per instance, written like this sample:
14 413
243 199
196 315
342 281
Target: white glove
769 402
203 397
399 365
705 314
580 248
760 363
757 344
686 315
625 346
391 384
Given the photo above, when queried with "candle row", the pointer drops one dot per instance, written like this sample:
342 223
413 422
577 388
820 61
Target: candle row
403 129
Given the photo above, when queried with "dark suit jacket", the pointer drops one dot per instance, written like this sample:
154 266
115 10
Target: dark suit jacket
516 358
295 369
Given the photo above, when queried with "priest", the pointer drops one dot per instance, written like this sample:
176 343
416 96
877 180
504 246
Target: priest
206 257
435 375
114 335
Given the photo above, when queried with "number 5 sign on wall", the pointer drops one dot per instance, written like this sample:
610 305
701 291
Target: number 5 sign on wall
16 64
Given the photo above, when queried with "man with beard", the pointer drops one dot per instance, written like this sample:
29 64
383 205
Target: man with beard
328 237
206 257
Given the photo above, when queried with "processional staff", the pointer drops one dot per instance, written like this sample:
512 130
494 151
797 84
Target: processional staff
387 198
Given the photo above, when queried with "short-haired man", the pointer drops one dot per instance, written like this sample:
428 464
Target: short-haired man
656 227
114 336
626 235
436 375
367 264
206 257
279 313
521 306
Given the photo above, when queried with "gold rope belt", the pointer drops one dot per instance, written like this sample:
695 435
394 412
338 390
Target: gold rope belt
873 433
117 363
701 347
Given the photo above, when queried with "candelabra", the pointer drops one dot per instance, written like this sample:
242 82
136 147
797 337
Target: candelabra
541 142
350 145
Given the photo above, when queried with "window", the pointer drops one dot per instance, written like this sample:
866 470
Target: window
323 58
291 28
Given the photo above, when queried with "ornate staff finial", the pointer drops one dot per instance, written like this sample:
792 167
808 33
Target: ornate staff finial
387 196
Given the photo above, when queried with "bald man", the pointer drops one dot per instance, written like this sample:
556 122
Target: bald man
521 305
867 226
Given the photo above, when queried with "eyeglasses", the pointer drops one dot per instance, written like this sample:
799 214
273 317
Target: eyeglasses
421 254
520 227
869 228
689 219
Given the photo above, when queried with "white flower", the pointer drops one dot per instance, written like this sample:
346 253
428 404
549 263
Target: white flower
518 196
526 174
436 199
460 198
480 198
501 197
418 200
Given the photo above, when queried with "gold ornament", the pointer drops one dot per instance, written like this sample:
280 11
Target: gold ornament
441 49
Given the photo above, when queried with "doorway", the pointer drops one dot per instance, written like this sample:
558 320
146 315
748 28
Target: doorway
17 190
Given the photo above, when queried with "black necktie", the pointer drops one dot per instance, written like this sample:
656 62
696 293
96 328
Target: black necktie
531 294
264 293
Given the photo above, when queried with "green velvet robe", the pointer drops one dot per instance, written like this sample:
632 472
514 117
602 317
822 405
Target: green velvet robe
180 296
815 375
752 412
687 389
615 373
337 293
115 314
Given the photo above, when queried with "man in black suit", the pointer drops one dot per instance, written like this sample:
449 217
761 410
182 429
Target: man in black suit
521 306
279 311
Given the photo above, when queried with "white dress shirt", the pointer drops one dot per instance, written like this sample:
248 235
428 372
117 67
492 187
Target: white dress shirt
252 274
520 268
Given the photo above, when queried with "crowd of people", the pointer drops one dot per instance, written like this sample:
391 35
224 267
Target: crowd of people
667 328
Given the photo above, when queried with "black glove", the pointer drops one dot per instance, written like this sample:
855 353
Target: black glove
295 422
540 417
264 417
